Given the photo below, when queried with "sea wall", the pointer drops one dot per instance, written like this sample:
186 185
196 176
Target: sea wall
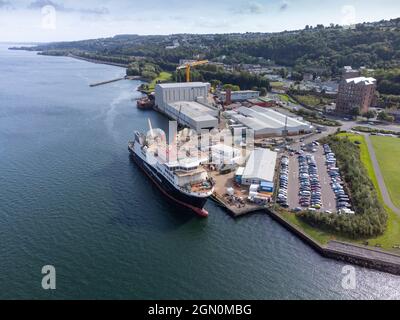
347 252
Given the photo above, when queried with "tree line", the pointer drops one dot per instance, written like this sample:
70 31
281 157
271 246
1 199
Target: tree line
370 219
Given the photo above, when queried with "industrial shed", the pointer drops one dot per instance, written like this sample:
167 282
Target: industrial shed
240 95
267 122
188 91
260 167
192 114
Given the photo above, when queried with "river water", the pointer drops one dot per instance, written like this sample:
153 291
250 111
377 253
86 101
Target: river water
70 197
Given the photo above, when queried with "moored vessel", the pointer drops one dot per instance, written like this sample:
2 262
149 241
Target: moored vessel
184 181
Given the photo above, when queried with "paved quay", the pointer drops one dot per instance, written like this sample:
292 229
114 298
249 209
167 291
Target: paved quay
368 257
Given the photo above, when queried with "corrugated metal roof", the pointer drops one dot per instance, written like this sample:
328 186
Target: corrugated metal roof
291 122
193 110
259 118
183 85
261 165
249 122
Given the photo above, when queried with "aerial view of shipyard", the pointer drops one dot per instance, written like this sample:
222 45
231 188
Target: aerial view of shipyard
215 150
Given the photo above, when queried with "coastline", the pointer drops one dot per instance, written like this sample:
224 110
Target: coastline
70 55
120 65
138 78
342 251
370 258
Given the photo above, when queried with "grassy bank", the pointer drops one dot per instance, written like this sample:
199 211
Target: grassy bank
373 130
276 85
162 77
391 236
387 151
318 235
313 101
286 98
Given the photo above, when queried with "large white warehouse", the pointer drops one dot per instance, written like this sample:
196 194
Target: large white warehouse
188 91
267 122
260 167
192 114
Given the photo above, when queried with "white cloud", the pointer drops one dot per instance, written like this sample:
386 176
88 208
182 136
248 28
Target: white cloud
255 8
39 4
348 15
249 8
102 18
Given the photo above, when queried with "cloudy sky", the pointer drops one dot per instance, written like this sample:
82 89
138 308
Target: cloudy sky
57 20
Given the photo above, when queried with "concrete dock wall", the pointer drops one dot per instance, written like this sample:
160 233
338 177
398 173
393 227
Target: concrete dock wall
347 252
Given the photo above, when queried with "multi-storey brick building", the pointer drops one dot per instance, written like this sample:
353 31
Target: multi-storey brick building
356 93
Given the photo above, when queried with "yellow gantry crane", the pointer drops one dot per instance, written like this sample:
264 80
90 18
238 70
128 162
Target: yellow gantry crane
189 65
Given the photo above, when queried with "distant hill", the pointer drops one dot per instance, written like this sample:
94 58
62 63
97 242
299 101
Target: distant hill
317 49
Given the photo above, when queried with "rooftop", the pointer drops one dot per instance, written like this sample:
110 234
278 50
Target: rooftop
241 91
261 165
193 110
259 118
366 81
183 85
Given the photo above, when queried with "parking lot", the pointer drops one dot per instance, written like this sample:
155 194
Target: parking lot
312 181
328 196
342 200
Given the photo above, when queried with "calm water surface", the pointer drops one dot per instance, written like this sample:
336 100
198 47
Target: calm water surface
70 197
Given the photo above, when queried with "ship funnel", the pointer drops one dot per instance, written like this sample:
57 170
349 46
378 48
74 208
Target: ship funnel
150 127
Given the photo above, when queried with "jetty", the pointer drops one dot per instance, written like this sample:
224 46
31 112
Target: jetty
96 84
106 82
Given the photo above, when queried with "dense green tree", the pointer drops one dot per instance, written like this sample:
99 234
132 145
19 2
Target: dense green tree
369 114
355 111
231 86
320 50
371 218
384 116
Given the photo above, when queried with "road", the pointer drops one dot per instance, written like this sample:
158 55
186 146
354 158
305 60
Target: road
379 177
328 196
346 126
288 108
293 184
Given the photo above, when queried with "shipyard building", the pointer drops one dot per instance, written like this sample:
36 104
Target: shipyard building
189 91
259 169
241 95
187 104
266 122
192 114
